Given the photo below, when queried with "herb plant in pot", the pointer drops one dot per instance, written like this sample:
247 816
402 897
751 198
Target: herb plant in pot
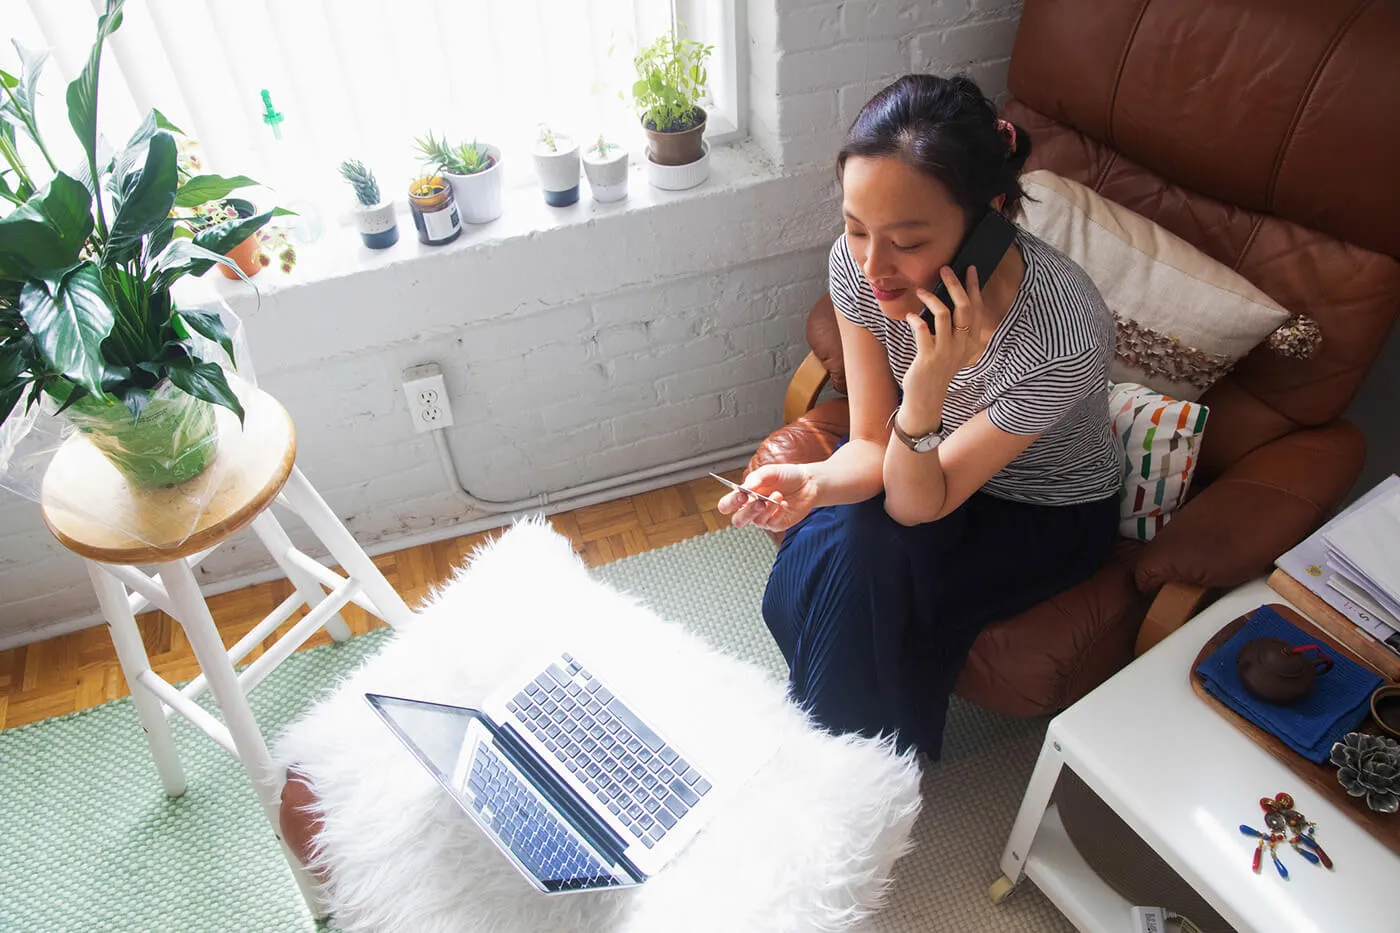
474 171
87 263
556 162
605 165
671 80
373 218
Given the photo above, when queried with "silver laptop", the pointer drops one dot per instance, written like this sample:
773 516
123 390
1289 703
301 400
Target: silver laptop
568 775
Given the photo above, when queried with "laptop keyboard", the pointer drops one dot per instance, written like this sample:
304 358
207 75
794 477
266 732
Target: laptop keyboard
542 841
631 771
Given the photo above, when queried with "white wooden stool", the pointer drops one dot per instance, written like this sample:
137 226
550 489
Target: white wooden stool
96 513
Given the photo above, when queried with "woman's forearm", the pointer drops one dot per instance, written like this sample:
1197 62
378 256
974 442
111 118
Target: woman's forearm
852 474
915 486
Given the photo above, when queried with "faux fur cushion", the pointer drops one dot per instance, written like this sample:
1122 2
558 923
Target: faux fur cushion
808 844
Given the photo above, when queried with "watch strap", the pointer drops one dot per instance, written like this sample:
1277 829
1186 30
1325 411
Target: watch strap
919 444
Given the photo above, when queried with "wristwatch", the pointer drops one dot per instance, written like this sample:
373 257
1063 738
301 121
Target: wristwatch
921 444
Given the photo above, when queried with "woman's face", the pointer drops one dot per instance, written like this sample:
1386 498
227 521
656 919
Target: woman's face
902 227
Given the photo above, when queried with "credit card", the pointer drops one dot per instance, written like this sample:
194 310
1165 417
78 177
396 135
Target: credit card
744 489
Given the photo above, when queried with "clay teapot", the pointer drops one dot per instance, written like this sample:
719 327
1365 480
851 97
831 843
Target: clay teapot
1274 670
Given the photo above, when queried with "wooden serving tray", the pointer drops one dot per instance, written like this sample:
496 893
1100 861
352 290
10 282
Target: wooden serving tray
1322 778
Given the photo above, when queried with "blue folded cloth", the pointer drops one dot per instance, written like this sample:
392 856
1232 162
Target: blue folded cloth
1311 725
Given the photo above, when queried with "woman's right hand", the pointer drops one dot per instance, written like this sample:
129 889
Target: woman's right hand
791 484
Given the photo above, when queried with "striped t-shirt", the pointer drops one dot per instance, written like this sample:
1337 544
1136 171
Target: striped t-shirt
1045 369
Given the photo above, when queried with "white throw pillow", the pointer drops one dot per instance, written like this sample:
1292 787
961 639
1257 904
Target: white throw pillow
1183 319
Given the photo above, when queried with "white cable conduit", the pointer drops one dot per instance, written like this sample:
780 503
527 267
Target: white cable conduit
586 493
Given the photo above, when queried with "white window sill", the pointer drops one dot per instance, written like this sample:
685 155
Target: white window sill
339 251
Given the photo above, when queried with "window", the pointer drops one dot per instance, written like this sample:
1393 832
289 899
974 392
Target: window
362 78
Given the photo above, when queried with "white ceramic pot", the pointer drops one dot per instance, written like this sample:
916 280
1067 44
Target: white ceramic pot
680 177
558 170
478 195
377 225
607 174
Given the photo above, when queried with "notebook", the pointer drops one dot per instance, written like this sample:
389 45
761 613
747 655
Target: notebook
566 772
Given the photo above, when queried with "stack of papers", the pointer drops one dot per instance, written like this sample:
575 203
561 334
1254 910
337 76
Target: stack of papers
1353 562
1363 552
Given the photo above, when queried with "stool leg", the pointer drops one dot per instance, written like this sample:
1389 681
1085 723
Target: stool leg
131 655
213 660
307 503
275 539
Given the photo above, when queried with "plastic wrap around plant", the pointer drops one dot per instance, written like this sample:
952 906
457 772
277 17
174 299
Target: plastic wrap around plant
166 459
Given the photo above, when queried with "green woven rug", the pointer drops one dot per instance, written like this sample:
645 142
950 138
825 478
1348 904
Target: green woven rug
88 841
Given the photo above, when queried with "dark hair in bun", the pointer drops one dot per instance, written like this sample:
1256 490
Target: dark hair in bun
947 129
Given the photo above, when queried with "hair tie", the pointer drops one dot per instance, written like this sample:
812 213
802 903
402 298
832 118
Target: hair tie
1007 129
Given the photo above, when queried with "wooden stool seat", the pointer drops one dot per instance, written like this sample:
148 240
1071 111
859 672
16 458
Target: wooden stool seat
96 512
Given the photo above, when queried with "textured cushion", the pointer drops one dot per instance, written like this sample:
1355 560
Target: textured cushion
1183 319
807 844
1160 437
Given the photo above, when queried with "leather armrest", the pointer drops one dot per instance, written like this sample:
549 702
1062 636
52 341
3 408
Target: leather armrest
1262 505
824 337
1172 608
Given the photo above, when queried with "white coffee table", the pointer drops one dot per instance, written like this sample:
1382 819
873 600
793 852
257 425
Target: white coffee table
1184 779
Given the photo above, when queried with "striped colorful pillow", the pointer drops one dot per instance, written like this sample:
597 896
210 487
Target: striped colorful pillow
1160 437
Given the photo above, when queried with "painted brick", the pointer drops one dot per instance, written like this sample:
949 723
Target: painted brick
972 43
664 419
734 372
885 19
668 361
806 114
576 410
815 27
802 72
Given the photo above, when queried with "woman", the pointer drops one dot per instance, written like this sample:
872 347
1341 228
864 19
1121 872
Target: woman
980 475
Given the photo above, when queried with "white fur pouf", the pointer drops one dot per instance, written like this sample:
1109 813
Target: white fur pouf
808 844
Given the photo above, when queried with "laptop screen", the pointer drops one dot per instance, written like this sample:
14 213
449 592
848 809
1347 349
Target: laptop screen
458 746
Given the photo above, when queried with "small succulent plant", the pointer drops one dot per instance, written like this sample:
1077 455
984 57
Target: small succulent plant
362 180
1370 768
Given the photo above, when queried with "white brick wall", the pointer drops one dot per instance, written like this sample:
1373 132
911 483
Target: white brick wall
581 351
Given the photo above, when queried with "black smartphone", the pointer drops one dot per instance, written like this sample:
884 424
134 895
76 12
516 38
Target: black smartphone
983 247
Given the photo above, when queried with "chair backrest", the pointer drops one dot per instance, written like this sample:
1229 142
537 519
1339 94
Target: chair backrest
1265 133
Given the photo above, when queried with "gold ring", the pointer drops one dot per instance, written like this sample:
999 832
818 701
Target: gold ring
962 328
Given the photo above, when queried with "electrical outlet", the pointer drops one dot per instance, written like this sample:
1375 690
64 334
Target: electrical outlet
427 397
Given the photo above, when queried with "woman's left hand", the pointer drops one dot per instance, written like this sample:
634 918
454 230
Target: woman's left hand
939 355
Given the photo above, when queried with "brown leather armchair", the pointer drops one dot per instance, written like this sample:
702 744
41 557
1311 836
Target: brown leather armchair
1265 134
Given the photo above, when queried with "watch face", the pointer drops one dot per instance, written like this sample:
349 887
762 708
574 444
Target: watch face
926 443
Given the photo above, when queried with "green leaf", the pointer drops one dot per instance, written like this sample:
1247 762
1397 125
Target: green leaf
136 399
8 399
43 237
26 90
223 237
77 394
144 199
187 257
208 324
69 325
82 91
284 212
203 188
7 79
205 381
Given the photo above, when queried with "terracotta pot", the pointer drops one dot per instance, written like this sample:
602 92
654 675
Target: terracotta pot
680 148
245 254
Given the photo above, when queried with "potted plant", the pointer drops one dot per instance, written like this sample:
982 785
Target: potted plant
472 169
671 80
434 209
87 262
605 165
373 218
556 162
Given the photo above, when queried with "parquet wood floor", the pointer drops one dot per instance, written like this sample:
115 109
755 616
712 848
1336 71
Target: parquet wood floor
80 670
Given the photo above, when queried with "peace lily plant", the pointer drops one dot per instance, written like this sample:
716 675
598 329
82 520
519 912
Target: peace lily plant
87 262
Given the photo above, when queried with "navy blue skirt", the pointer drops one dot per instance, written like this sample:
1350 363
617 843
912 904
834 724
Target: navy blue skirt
876 619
